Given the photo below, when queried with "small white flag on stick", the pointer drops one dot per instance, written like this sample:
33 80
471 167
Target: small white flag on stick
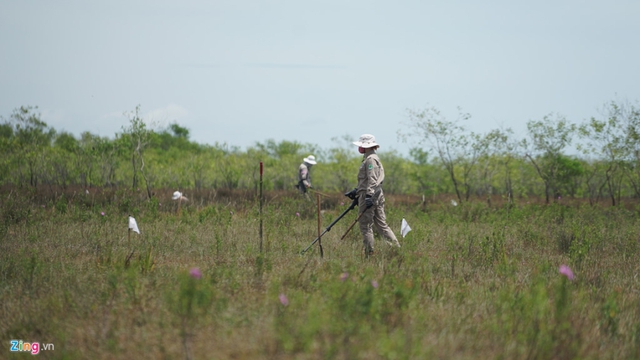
133 225
179 196
405 228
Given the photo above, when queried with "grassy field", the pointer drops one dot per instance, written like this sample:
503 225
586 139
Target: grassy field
474 281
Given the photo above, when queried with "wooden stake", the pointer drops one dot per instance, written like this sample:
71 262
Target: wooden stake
319 222
260 211
355 222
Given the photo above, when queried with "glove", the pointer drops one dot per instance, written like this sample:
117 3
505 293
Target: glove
368 201
352 194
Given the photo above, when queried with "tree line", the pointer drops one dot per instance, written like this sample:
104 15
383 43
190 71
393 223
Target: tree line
444 158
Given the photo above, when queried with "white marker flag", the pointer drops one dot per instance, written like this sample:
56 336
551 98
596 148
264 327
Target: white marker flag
405 228
133 225
178 196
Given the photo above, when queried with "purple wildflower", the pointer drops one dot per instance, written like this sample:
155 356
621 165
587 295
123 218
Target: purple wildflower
566 271
298 214
195 273
374 284
102 213
283 299
344 276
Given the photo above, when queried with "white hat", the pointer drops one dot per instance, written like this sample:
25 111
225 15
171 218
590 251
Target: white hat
310 160
366 141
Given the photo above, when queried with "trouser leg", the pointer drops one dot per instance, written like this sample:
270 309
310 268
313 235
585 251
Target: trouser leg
366 227
380 221
303 190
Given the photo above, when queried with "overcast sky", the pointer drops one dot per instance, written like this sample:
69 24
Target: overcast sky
243 72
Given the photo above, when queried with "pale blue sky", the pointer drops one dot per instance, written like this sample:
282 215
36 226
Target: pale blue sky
246 71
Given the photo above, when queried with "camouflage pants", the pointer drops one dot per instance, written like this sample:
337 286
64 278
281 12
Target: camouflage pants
375 216
303 190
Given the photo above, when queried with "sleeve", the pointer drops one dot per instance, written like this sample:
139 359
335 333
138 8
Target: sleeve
371 171
304 176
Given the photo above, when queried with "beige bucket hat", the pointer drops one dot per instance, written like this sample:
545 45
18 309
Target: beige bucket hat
366 141
310 160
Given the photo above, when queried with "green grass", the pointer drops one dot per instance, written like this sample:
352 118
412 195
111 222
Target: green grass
469 282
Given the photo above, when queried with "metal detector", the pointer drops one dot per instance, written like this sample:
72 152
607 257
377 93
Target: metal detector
354 203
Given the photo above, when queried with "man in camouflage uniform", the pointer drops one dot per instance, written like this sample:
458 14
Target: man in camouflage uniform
304 174
371 196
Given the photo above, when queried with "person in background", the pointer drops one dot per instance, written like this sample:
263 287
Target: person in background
370 195
304 175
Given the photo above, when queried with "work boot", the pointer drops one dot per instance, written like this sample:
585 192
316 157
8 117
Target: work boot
368 253
391 242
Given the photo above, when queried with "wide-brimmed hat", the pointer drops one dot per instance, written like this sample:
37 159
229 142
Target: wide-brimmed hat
310 160
366 141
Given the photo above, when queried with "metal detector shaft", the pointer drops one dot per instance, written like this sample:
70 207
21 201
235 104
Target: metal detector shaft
353 205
